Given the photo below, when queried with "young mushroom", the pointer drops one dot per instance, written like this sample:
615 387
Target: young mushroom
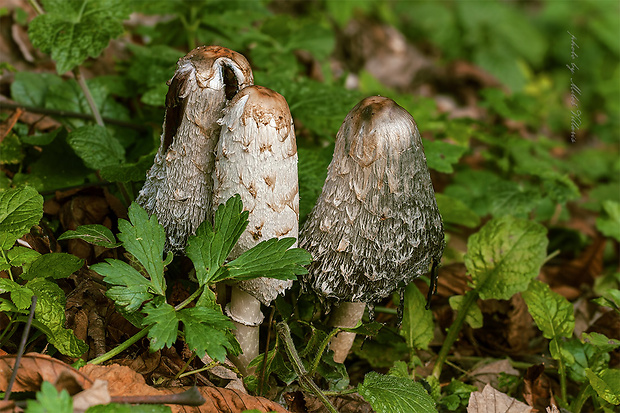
375 227
256 157
179 186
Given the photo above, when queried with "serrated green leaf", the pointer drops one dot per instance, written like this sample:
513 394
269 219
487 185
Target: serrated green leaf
552 313
144 238
454 211
128 172
165 325
93 234
11 150
205 330
55 265
609 222
418 324
441 155
7 306
20 295
48 400
22 257
600 341
50 312
474 315
211 245
606 384
7 240
130 288
271 258
20 210
31 89
505 255
96 147
389 394
73 30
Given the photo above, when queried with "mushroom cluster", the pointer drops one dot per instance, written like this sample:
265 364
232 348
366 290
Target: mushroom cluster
376 226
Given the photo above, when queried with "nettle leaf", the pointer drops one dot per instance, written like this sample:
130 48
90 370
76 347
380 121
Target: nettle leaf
96 147
211 245
165 325
271 258
20 210
552 313
22 257
417 320
505 255
609 223
389 394
93 234
55 265
205 330
7 240
441 155
31 89
455 211
606 384
129 288
20 295
73 30
144 238
474 315
50 312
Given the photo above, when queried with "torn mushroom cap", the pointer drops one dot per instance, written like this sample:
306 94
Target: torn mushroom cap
178 188
375 226
256 157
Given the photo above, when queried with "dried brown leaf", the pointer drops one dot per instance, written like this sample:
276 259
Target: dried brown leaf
490 400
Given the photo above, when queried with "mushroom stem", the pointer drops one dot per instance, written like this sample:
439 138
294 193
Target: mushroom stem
245 312
347 315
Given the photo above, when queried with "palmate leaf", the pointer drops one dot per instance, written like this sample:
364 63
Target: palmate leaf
205 330
271 258
72 30
144 238
129 288
210 247
165 325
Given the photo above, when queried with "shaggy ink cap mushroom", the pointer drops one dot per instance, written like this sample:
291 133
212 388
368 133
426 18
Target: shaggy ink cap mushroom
376 226
178 187
256 157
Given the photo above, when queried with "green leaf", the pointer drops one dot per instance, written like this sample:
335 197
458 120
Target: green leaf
417 320
144 238
93 234
600 341
11 150
606 384
210 247
271 258
50 312
20 295
73 30
7 240
389 394
441 155
165 325
552 313
96 147
130 288
128 172
609 222
55 265
455 211
20 210
205 330
505 255
44 138
49 400
474 315
22 257
31 89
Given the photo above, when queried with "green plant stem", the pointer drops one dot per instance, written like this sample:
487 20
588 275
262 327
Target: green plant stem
120 348
6 259
36 6
304 380
200 370
340 393
581 398
89 97
189 299
453 331
185 366
322 347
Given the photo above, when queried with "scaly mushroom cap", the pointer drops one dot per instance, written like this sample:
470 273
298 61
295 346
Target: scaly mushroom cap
256 157
178 187
375 226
